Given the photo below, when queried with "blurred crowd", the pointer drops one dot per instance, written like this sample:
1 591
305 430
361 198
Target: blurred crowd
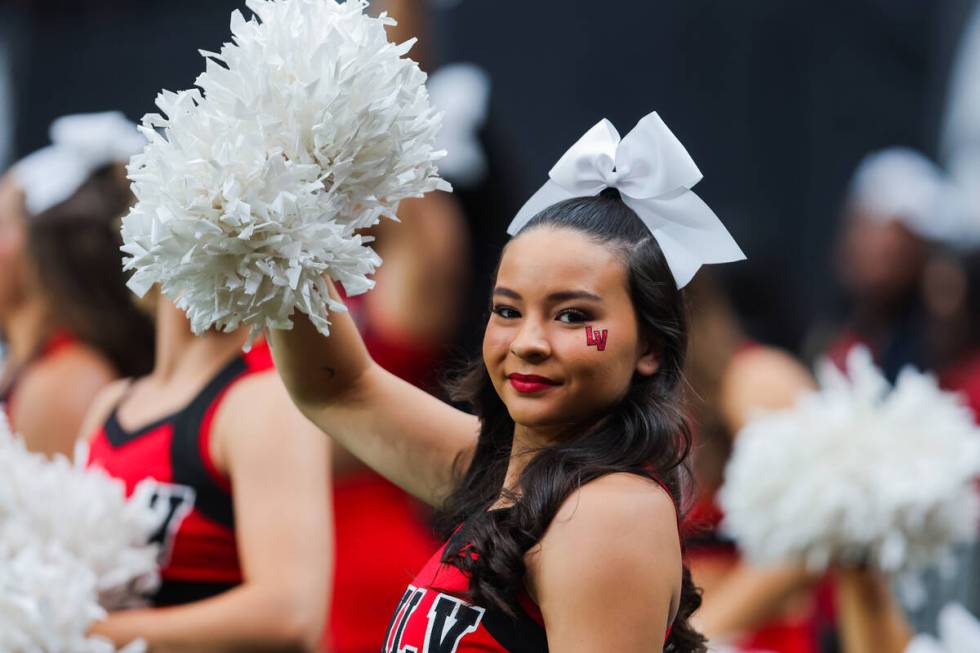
905 262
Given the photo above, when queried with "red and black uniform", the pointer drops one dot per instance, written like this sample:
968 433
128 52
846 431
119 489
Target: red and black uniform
431 617
198 555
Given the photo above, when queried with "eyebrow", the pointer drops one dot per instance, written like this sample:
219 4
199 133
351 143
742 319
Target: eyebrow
555 297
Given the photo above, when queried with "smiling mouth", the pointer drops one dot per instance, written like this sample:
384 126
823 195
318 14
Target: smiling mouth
530 383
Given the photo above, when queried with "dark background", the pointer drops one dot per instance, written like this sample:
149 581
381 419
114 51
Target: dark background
776 100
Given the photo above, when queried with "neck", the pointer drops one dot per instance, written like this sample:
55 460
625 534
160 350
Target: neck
25 328
180 353
526 443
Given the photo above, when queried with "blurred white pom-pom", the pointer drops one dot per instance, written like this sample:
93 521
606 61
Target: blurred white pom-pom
71 548
959 632
306 128
859 472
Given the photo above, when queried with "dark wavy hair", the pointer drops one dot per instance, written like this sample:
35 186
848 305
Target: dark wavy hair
646 433
74 248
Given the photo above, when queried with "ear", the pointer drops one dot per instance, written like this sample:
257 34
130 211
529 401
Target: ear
649 362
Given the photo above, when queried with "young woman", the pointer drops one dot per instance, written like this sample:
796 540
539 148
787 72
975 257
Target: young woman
560 497
241 485
68 322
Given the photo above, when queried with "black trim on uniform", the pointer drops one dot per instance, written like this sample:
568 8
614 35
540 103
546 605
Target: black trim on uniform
212 501
180 592
518 634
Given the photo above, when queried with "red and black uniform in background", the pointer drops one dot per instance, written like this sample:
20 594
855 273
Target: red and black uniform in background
198 556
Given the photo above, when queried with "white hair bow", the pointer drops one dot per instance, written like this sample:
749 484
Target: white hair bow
81 144
654 174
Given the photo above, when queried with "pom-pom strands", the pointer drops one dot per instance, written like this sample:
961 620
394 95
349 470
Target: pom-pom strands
305 129
857 473
71 547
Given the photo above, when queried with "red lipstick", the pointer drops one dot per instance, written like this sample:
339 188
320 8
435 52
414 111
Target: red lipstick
530 383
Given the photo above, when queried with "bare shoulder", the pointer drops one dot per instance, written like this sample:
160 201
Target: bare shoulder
78 367
257 418
617 533
254 402
762 378
613 502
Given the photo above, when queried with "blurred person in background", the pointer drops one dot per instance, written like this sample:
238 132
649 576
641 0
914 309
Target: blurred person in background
241 485
68 322
893 215
732 377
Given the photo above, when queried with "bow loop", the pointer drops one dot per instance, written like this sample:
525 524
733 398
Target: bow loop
653 162
585 168
654 174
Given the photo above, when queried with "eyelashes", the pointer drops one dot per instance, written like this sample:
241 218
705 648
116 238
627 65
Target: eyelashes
566 315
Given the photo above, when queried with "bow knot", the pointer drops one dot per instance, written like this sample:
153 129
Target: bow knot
653 174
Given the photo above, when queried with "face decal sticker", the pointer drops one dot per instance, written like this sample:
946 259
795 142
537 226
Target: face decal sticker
596 338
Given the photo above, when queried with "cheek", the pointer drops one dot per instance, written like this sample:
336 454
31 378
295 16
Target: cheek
496 343
606 365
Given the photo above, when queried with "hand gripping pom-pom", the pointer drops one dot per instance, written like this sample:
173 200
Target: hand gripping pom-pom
308 127
71 547
857 473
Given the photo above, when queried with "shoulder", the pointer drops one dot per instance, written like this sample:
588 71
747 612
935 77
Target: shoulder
77 366
621 515
615 503
761 378
256 417
616 534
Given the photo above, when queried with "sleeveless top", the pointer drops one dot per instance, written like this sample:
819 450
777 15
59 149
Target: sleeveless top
431 617
198 553
56 342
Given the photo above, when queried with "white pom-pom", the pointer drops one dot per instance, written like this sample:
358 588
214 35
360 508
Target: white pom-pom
857 473
307 128
71 548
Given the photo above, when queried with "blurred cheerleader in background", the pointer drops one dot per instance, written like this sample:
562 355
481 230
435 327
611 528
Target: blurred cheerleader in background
68 322
241 487
732 378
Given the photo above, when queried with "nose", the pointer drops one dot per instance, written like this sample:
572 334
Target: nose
530 343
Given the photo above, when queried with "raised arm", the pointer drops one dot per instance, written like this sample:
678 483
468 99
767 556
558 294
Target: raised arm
404 433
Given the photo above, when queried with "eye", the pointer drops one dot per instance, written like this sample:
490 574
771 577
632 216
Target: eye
573 316
505 312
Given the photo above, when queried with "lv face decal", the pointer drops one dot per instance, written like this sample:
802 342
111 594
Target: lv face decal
596 338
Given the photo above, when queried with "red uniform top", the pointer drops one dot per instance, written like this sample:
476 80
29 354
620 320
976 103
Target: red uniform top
431 617
198 553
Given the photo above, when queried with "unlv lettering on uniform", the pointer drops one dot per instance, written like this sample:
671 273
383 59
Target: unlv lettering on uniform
597 338
449 621
396 629
170 504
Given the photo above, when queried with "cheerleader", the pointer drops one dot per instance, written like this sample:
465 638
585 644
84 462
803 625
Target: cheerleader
560 497
242 491
69 324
